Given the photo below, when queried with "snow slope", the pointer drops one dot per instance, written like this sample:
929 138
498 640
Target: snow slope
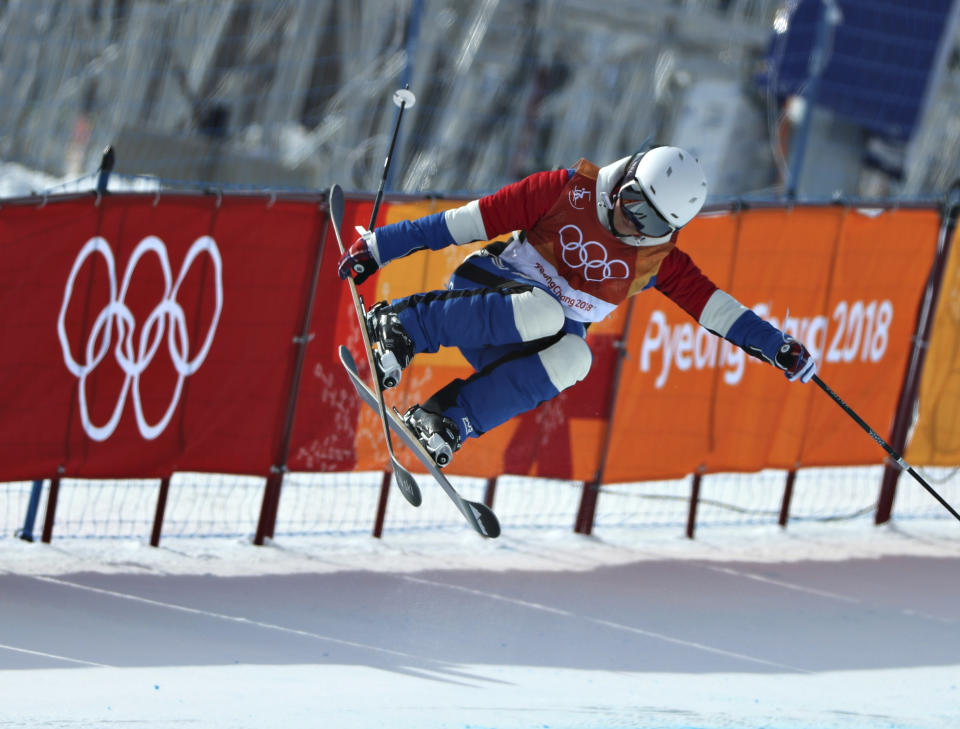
833 626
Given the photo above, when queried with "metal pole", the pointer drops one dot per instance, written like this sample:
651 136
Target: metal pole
903 419
830 17
911 185
410 45
26 534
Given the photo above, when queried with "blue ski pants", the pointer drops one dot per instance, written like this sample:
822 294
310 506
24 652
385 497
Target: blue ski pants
515 335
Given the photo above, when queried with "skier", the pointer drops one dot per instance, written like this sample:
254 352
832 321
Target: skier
582 241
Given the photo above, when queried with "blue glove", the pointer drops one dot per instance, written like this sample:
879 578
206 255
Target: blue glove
796 362
361 259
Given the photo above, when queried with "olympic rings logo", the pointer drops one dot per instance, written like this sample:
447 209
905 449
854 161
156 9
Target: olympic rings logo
135 357
591 257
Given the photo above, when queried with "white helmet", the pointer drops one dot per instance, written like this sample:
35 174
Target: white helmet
672 181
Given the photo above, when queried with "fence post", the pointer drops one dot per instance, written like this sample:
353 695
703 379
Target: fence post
26 534
161 509
490 492
587 512
51 508
903 419
382 504
694 502
268 510
271 493
787 497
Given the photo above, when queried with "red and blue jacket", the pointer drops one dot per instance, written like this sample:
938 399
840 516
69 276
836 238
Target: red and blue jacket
561 240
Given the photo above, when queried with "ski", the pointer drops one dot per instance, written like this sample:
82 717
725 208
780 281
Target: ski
478 515
405 482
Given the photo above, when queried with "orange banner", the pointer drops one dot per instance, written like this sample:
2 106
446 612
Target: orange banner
936 436
690 402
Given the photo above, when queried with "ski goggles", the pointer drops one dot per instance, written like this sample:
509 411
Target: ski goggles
640 211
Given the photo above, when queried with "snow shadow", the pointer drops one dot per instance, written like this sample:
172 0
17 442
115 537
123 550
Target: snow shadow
682 616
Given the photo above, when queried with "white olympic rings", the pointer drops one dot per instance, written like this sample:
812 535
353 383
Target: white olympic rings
134 360
591 256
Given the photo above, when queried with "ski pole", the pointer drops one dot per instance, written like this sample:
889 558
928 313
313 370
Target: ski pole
406 482
886 446
403 98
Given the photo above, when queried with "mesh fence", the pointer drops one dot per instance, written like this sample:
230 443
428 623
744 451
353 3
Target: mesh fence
218 505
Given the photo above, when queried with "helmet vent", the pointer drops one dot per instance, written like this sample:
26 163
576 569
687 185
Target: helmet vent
669 171
653 189
680 154
692 200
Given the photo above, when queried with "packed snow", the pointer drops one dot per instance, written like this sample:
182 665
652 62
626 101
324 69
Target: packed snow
839 626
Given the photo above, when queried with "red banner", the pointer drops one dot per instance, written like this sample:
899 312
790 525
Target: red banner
144 336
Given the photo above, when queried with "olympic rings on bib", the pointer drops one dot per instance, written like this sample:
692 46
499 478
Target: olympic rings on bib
591 256
132 357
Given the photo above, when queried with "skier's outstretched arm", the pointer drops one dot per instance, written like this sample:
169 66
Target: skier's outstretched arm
514 207
719 312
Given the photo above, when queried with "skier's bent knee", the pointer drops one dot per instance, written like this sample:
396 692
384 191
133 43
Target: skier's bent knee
567 361
536 314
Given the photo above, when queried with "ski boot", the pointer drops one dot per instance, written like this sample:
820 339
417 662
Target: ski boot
438 433
394 348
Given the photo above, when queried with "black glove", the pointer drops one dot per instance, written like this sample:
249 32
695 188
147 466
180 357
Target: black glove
795 360
361 260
